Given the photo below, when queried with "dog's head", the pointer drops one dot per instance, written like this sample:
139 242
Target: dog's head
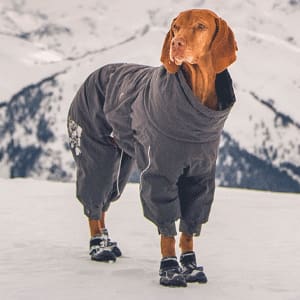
196 34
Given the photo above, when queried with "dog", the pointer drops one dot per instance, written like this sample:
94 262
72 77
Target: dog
169 120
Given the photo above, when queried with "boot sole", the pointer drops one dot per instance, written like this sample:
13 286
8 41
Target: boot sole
200 278
104 256
173 283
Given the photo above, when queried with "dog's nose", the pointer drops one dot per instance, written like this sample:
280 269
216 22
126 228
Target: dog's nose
178 43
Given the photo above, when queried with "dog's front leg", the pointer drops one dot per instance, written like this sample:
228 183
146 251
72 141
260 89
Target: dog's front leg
167 246
170 271
186 243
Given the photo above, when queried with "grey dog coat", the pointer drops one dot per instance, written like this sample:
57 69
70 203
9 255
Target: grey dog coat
127 112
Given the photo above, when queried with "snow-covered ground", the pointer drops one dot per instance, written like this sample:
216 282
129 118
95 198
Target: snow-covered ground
250 247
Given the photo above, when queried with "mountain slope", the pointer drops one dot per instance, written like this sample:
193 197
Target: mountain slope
52 47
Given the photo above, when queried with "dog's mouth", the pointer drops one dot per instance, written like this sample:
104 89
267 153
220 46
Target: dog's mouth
181 56
180 59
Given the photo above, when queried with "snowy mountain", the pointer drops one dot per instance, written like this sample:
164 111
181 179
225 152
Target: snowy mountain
49 47
45 254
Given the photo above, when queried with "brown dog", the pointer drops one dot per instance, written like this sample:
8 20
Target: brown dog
169 119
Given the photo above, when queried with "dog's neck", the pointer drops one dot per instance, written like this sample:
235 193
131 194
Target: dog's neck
201 79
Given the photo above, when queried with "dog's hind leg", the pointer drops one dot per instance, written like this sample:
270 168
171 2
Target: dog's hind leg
102 220
95 227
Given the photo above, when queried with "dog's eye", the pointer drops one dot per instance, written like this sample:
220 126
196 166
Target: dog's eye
200 26
175 27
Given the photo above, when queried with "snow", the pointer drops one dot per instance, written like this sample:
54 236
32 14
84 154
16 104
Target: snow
20 62
250 247
46 56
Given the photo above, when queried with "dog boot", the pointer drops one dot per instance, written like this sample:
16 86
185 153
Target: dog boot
99 251
110 244
191 272
170 273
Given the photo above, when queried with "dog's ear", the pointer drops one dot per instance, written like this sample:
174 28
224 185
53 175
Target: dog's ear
223 46
165 54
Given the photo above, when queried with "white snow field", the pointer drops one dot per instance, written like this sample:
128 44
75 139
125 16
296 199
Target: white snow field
250 247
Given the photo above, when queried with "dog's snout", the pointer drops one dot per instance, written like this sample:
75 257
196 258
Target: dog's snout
178 43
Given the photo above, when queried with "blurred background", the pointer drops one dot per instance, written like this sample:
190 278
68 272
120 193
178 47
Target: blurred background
48 48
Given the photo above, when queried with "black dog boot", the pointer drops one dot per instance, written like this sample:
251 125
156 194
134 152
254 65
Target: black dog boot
191 272
99 251
170 273
110 244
